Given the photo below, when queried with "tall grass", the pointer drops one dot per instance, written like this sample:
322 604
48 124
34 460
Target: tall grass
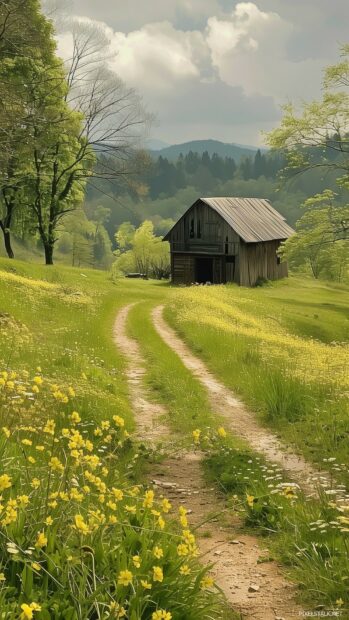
295 384
81 537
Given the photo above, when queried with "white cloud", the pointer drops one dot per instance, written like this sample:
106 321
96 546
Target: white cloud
198 66
249 48
158 55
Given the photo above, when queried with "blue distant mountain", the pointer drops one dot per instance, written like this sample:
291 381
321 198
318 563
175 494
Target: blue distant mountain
224 149
155 145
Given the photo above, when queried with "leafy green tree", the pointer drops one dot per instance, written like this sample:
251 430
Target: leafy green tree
25 39
317 137
319 242
140 250
124 236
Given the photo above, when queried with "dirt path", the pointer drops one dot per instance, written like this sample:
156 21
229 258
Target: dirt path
239 419
257 590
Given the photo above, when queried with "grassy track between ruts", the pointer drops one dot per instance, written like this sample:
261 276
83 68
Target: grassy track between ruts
173 385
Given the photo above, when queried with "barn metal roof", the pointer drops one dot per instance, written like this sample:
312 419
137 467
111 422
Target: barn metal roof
253 219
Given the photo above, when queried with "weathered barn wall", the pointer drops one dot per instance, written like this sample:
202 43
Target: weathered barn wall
259 260
183 268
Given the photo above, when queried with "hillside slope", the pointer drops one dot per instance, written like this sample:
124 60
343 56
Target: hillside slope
223 149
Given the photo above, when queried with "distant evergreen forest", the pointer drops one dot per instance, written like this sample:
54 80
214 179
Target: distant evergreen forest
167 188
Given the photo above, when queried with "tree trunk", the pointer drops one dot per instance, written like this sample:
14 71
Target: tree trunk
48 247
7 239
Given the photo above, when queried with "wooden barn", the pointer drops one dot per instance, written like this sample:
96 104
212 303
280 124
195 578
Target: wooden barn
221 240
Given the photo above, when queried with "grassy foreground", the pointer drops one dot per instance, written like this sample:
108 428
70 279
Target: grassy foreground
309 536
81 538
284 349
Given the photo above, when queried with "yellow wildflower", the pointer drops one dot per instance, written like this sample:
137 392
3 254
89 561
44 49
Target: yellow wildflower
158 574
119 421
136 561
112 520
48 520
146 585
183 521
2 577
75 418
41 540
118 611
161 523
23 500
196 436
125 578
158 552
148 499
36 566
56 464
5 482
27 611
49 427
27 442
185 570
166 505
250 500
6 431
161 614
182 549
206 582
80 525
221 432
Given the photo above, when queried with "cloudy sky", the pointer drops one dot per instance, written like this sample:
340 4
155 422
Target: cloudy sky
218 68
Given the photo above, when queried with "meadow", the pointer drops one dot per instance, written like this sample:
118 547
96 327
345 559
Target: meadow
273 370
81 535
284 349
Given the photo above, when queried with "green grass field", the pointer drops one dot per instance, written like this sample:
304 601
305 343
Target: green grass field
280 347
283 348
305 535
78 527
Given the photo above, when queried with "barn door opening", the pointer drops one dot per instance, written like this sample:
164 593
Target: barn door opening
203 270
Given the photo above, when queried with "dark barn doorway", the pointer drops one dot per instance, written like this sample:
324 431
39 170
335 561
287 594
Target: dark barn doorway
203 270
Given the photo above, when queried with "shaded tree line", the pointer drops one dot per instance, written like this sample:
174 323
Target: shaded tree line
204 172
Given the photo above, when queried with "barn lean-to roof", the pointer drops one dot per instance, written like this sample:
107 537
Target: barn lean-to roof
253 219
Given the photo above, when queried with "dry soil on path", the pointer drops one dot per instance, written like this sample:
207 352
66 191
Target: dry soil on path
257 590
242 422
